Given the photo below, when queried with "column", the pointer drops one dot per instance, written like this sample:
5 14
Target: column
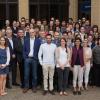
24 9
95 12
73 9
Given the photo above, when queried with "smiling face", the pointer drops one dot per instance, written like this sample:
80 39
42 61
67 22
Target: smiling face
20 33
32 33
63 42
78 42
2 41
49 39
85 43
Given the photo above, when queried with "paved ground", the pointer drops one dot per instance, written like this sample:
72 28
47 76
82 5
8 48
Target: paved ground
16 94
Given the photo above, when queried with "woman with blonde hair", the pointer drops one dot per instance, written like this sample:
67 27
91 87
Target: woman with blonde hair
87 62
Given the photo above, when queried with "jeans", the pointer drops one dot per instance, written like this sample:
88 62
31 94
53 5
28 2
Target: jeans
30 66
63 78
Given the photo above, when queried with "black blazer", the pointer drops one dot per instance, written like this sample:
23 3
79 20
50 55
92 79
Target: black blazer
12 50
19 49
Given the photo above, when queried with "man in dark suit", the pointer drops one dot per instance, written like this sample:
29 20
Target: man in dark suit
19 51
30 54
12 43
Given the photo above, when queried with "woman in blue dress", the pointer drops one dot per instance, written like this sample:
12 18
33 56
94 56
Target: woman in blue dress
4 62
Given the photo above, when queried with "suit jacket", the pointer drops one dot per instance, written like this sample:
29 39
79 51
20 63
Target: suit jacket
12 50
19 49
26 48
74 56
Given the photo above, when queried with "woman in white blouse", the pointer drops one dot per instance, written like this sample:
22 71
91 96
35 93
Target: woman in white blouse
87 61
63 64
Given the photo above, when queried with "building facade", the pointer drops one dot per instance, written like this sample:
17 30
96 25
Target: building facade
62 9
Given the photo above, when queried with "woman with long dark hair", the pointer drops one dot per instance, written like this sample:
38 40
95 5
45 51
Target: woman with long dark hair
4 62
77 62
63 64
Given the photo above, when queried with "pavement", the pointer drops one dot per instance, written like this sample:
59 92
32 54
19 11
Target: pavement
16 94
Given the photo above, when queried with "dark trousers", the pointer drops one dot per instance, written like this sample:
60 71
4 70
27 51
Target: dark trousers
97 74
14 70
30 65
21 69
39 75
55 83
63 78
11 77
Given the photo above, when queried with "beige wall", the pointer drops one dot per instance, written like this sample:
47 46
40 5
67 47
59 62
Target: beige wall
23 9
73 9
95 12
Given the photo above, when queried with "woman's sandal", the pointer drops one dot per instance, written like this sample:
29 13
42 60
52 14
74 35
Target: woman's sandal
65 93
61 93
4 93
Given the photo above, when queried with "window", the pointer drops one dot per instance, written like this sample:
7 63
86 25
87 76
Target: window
1 1
45 11
33 11
13 12
2 15
8 10
49 8
12 0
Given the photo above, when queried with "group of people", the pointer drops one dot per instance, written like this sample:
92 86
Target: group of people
51 54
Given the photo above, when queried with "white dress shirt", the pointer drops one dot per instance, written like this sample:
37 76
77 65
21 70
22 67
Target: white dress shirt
8 56
31 47
11 42
46 54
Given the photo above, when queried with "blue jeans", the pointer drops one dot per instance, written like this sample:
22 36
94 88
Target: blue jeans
30 66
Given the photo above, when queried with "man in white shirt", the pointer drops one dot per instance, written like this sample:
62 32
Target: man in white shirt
12 43
46 57
30 53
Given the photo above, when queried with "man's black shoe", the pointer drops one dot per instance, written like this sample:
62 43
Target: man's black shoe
74 93
45 92
79 92
34 90
16 84
52 92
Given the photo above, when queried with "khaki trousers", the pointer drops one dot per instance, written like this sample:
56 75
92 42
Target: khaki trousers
48 74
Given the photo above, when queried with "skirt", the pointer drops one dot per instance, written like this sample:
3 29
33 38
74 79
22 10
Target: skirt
4 70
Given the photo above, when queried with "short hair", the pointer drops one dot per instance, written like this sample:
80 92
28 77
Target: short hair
48 35
20 29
